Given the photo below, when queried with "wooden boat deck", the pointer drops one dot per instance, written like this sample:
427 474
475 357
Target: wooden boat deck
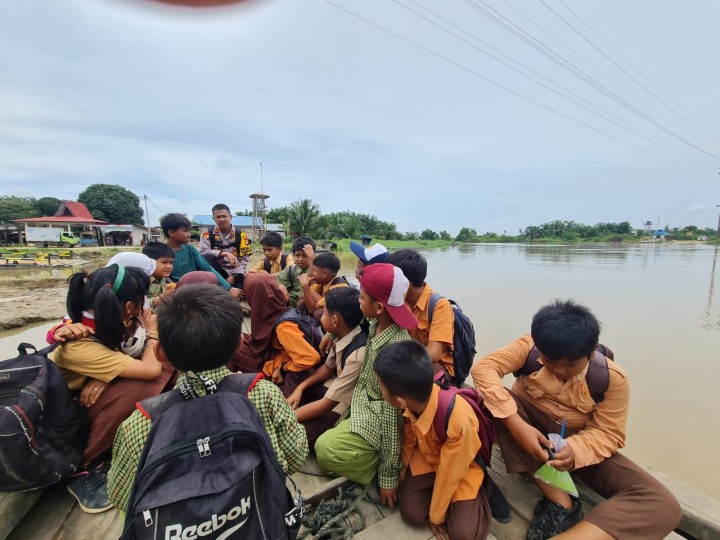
53 514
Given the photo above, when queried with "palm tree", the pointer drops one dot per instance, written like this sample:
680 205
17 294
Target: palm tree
303 216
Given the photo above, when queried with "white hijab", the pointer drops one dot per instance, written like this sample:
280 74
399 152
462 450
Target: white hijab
137 260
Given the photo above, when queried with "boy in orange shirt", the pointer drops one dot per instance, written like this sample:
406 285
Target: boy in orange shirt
435 335
441 484
316 284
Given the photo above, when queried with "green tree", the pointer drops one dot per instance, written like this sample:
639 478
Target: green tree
244 213
303 216
47 206
429 234
112 203
444 235
16 208
277 215
466 234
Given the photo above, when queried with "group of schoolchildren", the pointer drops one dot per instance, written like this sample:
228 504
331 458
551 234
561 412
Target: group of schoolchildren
361 394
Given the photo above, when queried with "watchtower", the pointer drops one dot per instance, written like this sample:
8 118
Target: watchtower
258 216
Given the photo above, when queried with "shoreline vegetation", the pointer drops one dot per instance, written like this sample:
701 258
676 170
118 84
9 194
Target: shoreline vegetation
28 297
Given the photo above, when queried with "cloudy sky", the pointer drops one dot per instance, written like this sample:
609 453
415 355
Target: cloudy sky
392 115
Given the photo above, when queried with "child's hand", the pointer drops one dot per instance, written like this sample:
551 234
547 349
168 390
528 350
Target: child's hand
72 331
309 253
439 531
388 496
149 321
325 344
235 292
564 459
92 392
294 398
277 377
305 280
531 440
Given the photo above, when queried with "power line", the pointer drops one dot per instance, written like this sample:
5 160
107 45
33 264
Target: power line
641 74
500 85
555 57
632 129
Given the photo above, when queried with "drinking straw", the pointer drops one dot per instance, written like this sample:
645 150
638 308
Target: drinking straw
562 428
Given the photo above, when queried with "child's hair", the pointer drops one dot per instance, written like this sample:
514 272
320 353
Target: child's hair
199 327
406 370
105 292
271 239
301 241
412 264
173 222
220 206
327 261
343 301
156 250
565 330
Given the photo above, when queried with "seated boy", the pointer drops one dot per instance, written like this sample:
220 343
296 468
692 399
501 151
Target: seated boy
176 228
324 278
160 284
442 485
341 318
566 335
376 253
196 310
274 260
366 442
225 247
435 335
303 250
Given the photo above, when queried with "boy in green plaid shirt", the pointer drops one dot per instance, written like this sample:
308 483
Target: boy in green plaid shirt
367 440
192 312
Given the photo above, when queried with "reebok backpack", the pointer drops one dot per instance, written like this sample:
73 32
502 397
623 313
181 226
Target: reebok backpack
446 402
463 340
42 430
208 469
309 326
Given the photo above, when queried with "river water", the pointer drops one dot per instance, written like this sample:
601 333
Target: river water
660 312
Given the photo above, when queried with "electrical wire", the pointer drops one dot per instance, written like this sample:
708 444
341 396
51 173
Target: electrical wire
504 87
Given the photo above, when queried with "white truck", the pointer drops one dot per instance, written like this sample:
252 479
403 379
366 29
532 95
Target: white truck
50 236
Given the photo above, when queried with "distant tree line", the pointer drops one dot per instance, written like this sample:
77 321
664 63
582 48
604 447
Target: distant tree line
107 202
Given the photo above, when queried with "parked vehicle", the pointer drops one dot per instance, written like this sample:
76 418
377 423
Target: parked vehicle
50 237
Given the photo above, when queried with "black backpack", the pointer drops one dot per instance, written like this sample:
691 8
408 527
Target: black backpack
358 341
597 377
208 469
309 326
42 430
283 263
463 340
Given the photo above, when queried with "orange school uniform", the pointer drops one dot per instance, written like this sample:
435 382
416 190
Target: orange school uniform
322 290
292 351
457 476
441 329
601 426
275 264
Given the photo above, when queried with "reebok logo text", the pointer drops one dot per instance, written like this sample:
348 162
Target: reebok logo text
216 522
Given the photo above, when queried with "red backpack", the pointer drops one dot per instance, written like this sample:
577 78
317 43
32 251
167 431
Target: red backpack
446 402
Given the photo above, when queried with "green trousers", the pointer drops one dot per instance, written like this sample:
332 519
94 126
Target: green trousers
341 452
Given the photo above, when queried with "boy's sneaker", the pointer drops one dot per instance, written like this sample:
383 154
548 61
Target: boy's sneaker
499 506
550 519
90 489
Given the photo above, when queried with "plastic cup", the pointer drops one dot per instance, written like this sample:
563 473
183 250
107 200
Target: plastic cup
557 441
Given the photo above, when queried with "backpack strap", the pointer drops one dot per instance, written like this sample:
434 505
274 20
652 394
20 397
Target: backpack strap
240 383
358 341
597 377
153 407
211 237
339 279
283 261
238 239
434 297
291 274
266 265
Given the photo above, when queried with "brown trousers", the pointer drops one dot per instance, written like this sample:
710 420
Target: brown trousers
637 505
115 405
466 520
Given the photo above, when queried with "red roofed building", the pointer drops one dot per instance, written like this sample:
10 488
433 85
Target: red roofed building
72 217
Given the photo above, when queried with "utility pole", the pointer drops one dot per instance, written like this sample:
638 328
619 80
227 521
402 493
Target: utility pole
147 216
261 180
718 231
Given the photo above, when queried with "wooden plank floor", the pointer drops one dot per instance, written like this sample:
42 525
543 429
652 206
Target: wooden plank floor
54 515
